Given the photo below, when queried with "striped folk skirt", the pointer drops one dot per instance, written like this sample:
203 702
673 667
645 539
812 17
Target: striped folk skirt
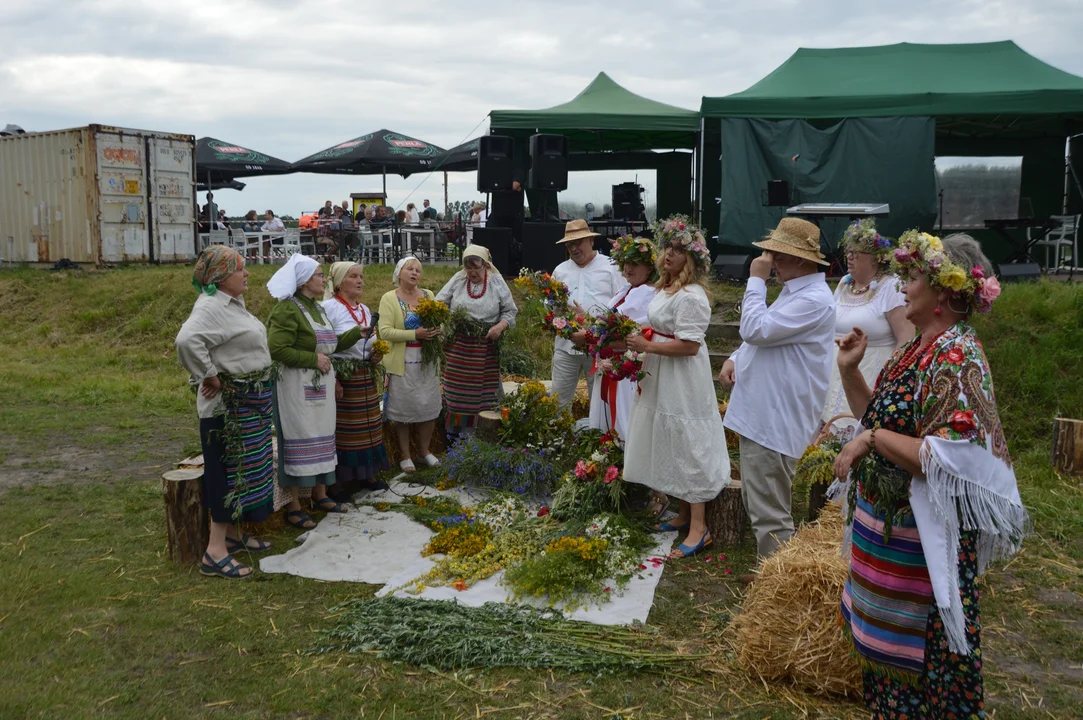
909 671
244 483
471 381
359 433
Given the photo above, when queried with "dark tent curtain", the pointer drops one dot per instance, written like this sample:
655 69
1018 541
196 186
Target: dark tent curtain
863 160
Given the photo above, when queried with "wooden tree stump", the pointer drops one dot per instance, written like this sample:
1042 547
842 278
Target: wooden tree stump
817 500
488 427
1068 446
726 518
186 520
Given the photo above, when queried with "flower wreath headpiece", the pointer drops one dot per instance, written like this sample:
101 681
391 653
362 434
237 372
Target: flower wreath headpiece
862 237
926 253
678 231
630 249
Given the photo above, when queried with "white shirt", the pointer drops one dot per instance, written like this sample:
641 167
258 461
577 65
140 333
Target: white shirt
273 225
220 336
343 322
784 365
591 286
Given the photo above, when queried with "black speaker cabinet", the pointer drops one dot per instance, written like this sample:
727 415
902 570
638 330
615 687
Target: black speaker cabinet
548 162
1020 271
732 267
494 162
498 240
540 249
778 193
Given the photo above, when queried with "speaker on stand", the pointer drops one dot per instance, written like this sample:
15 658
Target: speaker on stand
540 249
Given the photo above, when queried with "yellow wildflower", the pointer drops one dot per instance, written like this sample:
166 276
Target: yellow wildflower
954 278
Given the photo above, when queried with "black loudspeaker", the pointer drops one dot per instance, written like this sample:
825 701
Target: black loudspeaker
494 162
627 201
548 162
498 240
1020 271
732 267
540 249
778 193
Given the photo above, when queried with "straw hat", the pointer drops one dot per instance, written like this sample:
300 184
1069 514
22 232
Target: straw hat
576 230
796 237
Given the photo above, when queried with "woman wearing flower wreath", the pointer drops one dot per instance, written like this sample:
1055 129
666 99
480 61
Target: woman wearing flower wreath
221 338
676 444
471 376
611 400
868 298
930 490
413 387
359 429
302 338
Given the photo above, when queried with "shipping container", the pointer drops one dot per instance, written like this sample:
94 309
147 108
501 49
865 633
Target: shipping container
97 194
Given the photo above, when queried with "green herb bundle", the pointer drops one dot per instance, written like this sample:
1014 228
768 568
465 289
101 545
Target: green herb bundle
446 636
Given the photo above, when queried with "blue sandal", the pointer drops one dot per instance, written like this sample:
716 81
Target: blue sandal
299 519
227 568
234 545
687 551
667 527
329 505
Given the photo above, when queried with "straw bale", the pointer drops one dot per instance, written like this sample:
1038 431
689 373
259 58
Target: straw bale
788 629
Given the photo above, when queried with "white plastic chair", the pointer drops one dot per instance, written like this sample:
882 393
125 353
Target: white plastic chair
1065 236
377 246
285 244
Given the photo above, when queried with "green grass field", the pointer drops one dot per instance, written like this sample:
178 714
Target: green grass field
96 622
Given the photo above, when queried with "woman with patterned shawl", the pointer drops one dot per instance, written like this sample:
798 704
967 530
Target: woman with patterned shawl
930 491
224 347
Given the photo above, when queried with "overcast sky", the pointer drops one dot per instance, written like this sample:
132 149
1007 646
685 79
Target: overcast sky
290 78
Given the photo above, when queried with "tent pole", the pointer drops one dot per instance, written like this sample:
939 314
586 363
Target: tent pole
445 193
385 184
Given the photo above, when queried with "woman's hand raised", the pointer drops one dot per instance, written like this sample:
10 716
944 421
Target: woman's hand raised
852 349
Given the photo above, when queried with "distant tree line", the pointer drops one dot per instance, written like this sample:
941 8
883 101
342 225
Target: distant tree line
976 193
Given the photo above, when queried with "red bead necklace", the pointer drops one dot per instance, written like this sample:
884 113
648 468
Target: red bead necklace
363 321
484 287
916 350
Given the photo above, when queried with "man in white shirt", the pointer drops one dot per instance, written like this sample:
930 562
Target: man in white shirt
273 224
780 374
592 279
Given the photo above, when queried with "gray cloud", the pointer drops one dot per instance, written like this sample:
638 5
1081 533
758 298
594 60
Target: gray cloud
291 77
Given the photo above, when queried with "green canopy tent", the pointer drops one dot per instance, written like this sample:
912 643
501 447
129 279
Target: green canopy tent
986 99
605 120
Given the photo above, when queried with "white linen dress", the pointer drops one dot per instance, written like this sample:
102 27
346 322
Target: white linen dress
676 444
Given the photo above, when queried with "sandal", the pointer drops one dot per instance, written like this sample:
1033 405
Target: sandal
407 466
328 505
667 526
299 519
242 545
689 551
227 567
431 460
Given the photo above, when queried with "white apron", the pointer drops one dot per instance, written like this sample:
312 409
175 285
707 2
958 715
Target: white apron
306 409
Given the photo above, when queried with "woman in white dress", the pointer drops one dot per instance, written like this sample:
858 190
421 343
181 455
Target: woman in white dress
868 298
676 444
611 401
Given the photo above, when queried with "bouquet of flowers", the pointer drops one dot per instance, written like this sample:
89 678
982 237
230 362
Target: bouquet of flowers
557 317
606 331
533 420
380 347
433 314
596 484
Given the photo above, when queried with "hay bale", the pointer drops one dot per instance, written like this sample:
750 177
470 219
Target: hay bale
788 629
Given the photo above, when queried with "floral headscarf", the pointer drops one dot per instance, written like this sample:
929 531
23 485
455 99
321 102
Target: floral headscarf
926 253
215 264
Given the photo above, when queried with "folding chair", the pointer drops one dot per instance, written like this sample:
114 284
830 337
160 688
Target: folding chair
1064 237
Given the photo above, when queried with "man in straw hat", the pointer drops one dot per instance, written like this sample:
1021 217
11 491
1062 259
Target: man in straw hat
592 279
780 374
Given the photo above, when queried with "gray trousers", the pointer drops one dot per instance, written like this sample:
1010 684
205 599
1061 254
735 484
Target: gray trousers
767 488
566 370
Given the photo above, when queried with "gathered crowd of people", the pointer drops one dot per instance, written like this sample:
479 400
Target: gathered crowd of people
924 477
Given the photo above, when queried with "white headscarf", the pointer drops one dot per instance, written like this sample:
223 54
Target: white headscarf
295 273
398 268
